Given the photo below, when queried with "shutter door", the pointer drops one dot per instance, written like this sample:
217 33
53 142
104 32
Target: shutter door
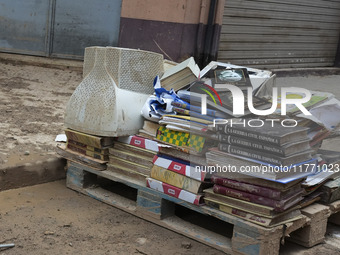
280 34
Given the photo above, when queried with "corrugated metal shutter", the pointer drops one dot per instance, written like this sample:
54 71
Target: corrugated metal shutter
280 34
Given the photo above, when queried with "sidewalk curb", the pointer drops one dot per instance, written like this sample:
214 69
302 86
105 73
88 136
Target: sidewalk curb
29 174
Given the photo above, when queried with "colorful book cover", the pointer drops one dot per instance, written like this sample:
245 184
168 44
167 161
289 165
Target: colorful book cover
179 166
140 142
181 139
175 179
256 189
278 205
174 191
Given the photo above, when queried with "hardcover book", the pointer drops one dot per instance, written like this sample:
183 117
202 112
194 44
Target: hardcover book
284 150
181 75
133 149
177 180
260 220
271 133
132 157
271 193
86 152
103 151
255 168
278 205
133 166
180 167
91 140
174 191
140 142
127 172
176 153
258 209
266 157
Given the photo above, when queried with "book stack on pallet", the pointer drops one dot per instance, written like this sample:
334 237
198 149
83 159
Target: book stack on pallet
259 172
86 149
274 151
132 157
257 200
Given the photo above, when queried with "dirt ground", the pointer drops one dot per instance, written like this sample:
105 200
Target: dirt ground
32 110
51 219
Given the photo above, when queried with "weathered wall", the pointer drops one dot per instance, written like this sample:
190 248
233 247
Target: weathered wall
174 28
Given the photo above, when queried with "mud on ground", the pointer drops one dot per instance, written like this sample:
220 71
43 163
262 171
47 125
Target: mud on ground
33 101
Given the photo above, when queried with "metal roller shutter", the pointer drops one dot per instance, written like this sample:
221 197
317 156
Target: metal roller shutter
280 34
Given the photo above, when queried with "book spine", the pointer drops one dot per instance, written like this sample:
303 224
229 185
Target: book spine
87 152
84 139
174 191
140 142
88 147
194 108
248 153
250 188
234 140
193 114
276 204
175 179
241 214
225 129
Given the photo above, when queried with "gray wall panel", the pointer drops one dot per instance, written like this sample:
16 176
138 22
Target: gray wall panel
24 26
79 24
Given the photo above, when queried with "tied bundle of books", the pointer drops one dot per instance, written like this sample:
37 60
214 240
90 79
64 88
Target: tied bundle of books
178 178
260 201
132 157
272 151
86 149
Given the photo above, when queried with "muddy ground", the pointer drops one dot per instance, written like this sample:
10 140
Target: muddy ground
51 219
32 108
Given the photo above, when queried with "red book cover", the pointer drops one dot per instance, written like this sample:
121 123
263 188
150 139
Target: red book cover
274 194
278 205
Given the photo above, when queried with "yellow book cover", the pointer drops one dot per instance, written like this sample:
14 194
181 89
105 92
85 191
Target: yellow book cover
92 140
175 179
88 147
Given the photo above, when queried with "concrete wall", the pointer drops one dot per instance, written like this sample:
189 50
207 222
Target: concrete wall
176 28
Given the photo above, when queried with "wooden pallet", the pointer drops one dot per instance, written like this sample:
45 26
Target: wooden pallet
237 237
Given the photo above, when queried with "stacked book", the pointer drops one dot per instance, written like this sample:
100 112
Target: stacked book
178 178
86 149
259 171
132 157
257 200
270 150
